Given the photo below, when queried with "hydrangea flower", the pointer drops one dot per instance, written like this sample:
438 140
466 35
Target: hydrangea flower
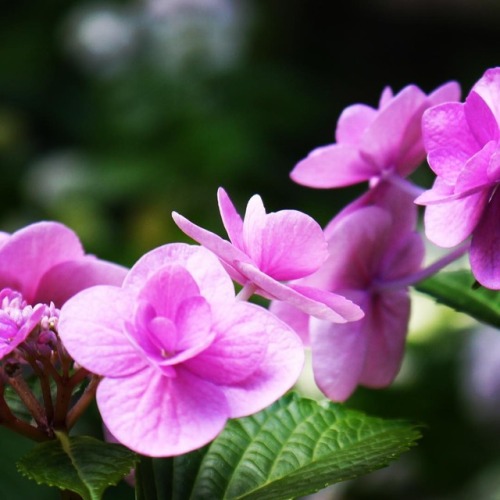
462 141
45 262
41 266
266 249
179 355
374 143
374 250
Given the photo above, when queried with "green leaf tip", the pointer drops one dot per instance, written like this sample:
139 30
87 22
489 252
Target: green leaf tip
80 464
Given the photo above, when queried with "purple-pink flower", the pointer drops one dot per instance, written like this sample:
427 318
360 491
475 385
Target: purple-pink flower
462 141
374 143
374 249
45 262
266 249
17 320
41 266
178 353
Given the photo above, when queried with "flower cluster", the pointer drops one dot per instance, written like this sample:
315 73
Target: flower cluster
172 352
462 140
41 267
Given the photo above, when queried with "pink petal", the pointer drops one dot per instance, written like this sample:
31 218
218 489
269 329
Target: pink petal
475 172
66 279
488 87
193 320
10 333
385 97
338 355
30 252
448 92
221 248
440 192
211 278
404 258
293 245
278 370
387 195
448 140
396 127
167 288
231 219
352 122
357 245
293 317
91 326
449 223
494 166
4 237
160 416
386 326
239 346
333 166
484 254
318 303
253 226
481 121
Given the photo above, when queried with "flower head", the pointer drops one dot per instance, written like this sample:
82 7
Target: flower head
374 143
373 249
265 249
43 265
45 262
462 141
179 355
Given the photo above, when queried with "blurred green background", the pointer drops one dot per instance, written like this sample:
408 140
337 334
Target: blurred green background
113 114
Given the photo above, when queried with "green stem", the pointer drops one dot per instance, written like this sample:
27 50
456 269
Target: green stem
145 483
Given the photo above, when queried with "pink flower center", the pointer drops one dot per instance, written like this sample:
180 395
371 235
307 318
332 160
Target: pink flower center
18 319
14 314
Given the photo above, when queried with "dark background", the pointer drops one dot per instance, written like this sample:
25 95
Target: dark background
113 114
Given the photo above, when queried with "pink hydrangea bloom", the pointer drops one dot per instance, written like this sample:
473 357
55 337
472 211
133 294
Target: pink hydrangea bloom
374 143
265 249
43 265
374 248
45 262
179 355
462 141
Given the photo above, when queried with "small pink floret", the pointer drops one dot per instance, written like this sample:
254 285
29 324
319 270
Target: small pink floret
374 143
374 248
266 249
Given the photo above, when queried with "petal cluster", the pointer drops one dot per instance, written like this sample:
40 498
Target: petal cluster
17 320
374 143
266 249
462 142
373 248
179 355
45 262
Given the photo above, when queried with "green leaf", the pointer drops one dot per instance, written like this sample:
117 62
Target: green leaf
80 464
458 290
295 447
